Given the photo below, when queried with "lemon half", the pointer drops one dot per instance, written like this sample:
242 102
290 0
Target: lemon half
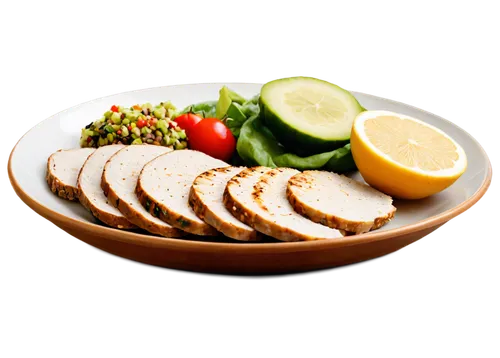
403 156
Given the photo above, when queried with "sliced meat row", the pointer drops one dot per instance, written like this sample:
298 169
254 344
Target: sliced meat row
173 193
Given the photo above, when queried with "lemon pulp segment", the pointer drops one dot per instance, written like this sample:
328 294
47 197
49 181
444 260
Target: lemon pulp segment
411 144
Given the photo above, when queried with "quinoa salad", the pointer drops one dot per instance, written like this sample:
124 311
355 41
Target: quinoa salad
139 124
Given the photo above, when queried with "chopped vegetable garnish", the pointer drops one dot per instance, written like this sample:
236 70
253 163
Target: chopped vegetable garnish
135 125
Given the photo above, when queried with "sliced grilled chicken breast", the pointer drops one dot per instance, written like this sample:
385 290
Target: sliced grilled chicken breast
90 193
62 171
119 180
205 199
164 185
339 202
257 196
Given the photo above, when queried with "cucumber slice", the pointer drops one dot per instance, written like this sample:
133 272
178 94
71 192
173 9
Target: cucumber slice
308 115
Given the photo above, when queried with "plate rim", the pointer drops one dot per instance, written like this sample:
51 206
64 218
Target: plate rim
131 237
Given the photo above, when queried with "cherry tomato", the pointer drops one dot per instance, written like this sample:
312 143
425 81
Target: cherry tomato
114 108
187 121
212 137
141 123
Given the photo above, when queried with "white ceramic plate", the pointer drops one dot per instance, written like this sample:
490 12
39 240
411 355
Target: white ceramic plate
62 131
